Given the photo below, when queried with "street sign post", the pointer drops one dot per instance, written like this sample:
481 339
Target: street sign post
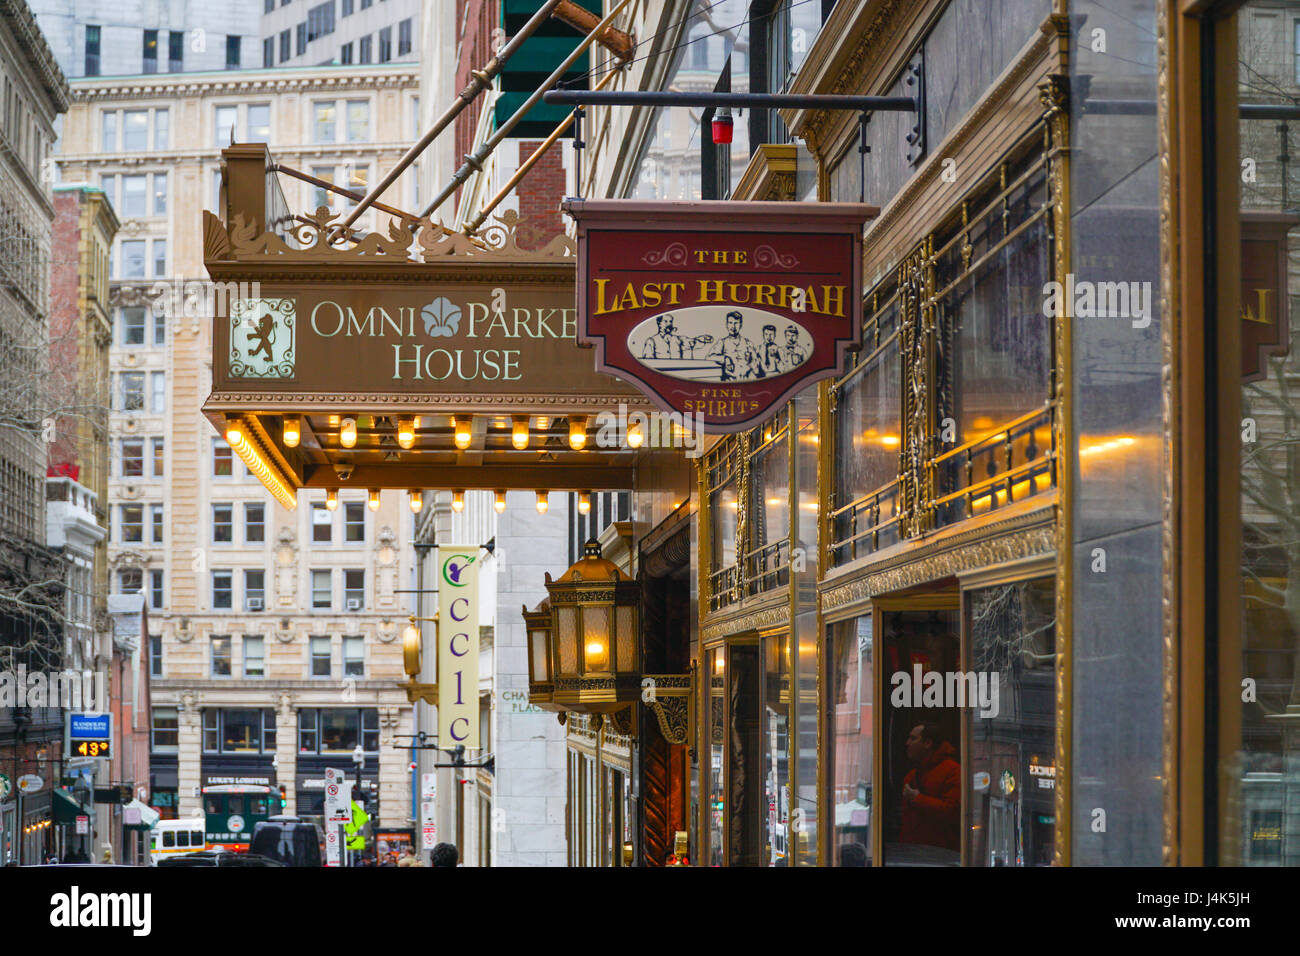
428 826
332 846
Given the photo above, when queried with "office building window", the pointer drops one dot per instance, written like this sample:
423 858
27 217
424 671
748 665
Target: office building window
255 590
129 581
358 121
354 521
158 392
227 120
354 656
132 322
238 732
131 395
150 51
321 196
284 46
161 130
160 328
92 50
176 51
385 44
322 524
211 734
254 657
134 195
130 524
156 652
132 458
159 258
354 590
347 8
324 122
158 449
259 123
133 250
254 524
365 43
300 39
165 732
223 463
108 137
223 525
320 656
268 47
160 201
320 21
322 589
135 131
367 4
156 524
404 37
156 595
338 730
345 54
232 53
222 590
220 655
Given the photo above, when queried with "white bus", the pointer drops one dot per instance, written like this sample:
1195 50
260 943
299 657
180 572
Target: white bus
176 837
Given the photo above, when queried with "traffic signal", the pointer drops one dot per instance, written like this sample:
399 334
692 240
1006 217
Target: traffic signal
535 60
284 798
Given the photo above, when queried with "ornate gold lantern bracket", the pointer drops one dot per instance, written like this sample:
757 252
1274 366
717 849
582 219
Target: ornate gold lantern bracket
669 697
413 663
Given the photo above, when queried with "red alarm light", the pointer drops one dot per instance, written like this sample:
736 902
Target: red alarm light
722 128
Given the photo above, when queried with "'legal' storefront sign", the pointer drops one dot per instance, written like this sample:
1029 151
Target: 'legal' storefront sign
718 309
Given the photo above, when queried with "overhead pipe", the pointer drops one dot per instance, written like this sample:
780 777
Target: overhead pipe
480 80
474 162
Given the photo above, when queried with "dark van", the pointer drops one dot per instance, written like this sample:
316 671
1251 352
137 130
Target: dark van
289 840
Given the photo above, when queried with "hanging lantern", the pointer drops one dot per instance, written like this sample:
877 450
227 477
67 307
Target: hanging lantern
594 635
537 624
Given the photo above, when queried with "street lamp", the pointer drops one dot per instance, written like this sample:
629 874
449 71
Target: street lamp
537 623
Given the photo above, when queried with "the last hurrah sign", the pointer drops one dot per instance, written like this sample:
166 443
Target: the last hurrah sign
720 310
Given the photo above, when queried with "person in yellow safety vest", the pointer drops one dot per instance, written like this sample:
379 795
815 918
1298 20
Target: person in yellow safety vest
355 839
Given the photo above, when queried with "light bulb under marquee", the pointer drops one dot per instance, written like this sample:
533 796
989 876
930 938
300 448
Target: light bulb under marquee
577 432
373 502
292 432
463 432
458 501
348 432
543 502
584 502
332 499
417 501
519 432
499 502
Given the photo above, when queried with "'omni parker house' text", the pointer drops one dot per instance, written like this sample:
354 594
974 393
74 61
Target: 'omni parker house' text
417 361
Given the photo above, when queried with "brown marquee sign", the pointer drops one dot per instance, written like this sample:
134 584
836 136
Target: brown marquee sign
719 310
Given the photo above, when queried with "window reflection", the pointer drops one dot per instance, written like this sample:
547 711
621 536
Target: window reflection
852 753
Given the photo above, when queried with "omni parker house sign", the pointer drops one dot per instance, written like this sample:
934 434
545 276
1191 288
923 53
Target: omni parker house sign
719 310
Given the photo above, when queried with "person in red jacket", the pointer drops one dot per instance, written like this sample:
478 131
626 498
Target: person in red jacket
931 790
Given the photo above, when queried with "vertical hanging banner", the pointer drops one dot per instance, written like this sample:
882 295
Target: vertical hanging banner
720 311
458 647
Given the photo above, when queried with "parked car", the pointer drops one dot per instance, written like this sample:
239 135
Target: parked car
219 858
288 839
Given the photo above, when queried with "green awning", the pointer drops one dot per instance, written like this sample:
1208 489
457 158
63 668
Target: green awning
67 809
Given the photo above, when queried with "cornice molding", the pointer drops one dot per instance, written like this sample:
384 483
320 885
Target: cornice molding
28 35
242 83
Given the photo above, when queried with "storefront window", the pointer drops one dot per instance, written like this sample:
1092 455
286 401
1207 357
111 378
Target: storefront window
724 514
852 756
1261 758
768 559
715 663
996 345
868 429
1011 803
776 749
921 790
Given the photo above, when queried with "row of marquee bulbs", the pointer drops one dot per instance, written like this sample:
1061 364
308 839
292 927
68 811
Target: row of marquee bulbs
462 430
458 500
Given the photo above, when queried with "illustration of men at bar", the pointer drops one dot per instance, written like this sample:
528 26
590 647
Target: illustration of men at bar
792 355
773 360
667 344
739 359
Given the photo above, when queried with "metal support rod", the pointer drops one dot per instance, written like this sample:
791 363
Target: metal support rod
334 188
1277 111
530 162
480 80
896 104
475 160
